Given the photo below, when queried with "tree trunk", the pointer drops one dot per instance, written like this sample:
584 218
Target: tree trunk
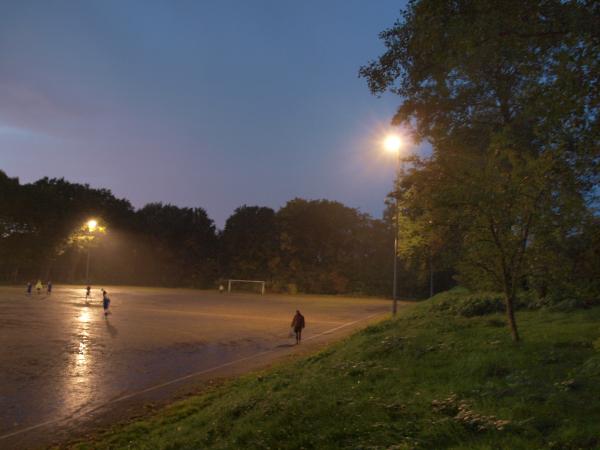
510 316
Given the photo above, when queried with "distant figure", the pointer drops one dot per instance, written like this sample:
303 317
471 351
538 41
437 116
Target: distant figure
38 286
105 302
88 292
29 286
297 324
49 287
221 289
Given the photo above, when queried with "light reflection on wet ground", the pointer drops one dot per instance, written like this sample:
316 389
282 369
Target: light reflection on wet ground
60 357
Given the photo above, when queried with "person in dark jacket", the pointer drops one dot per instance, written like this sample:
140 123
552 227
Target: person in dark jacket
298 324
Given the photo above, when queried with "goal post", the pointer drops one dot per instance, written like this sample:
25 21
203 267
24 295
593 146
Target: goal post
259 284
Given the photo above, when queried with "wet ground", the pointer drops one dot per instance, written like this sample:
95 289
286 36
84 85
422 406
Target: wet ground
64 366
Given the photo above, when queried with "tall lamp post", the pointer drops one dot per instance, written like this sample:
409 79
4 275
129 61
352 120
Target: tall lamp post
91 227
392 144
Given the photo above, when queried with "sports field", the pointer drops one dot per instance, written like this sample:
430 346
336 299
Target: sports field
66 369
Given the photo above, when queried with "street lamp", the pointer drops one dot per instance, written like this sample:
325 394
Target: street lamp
91 225
392 144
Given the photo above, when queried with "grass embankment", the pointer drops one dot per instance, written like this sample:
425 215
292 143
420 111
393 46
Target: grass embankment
430 379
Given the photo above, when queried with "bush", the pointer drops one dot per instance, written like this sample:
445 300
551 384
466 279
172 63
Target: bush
461 302
567 299
480 304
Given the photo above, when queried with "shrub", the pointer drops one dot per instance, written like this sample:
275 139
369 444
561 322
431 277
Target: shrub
480 304
461 302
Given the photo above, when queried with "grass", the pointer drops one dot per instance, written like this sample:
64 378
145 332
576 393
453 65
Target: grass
430 379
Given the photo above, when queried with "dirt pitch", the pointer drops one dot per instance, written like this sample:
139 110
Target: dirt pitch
67 370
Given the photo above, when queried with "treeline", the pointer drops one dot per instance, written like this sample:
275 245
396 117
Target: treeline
312 246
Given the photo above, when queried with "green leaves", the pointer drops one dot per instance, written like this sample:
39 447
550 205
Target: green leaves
506 93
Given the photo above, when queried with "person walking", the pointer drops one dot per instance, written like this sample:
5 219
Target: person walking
298 324
49 287
105 303
29 286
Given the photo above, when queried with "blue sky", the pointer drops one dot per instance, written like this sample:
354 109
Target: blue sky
197 103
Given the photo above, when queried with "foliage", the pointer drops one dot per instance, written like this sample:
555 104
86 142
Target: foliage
249 244
44 236
507 95
468 304
315 246
182 240
324 246
425 381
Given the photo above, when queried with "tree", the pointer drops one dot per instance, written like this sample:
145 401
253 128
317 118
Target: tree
39 220
178 245
324 246
507 94
249 243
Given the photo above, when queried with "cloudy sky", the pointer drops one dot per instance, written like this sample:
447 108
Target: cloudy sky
197 103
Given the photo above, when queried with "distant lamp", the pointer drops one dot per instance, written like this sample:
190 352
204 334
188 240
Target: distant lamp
92 225
392 144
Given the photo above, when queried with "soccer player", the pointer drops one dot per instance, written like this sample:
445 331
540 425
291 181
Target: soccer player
105 302
29 286
49 287
38 286
298 324
87 292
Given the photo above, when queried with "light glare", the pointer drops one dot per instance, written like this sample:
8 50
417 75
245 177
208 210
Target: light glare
392 143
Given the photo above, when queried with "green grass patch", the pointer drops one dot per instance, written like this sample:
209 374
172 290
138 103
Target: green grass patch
430 379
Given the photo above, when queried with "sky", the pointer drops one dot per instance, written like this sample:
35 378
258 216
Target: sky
210 104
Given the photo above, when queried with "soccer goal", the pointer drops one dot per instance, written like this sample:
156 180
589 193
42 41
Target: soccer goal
246 285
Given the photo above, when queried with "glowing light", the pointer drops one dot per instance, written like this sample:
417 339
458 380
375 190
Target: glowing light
81 355
84 317
392 143
92 225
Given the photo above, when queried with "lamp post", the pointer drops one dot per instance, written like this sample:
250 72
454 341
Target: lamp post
91 227
392 144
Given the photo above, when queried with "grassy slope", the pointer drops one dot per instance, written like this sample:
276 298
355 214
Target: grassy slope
375 390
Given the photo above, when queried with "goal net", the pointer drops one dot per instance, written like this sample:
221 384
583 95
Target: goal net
246 285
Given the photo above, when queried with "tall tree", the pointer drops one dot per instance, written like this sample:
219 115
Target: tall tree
180 245
324 245
249 243
507 93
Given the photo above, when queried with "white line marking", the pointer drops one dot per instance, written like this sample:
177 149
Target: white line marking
179 379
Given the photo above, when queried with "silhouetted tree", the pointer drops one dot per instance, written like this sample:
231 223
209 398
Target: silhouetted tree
250 244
